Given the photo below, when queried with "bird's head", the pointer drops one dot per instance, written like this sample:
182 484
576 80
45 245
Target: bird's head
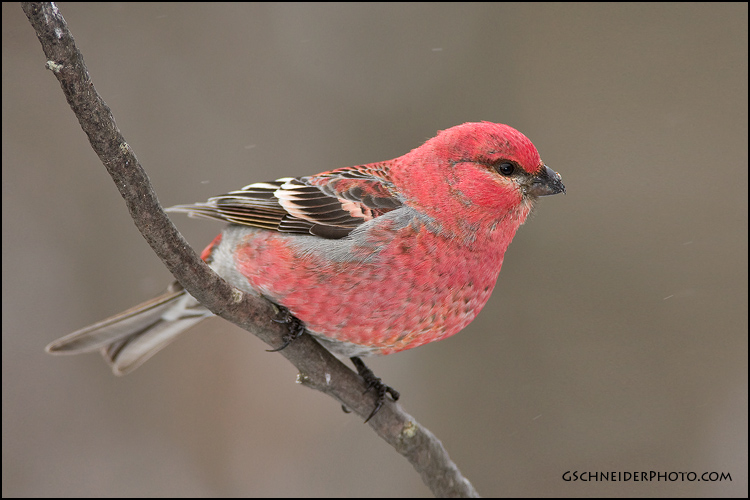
482 172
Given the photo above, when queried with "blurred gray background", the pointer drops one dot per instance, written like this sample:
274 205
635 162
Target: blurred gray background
616 339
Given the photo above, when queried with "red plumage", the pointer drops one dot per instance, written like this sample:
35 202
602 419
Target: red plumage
374 259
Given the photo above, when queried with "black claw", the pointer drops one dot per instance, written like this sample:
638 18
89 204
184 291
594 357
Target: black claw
296 328
374 383
377 408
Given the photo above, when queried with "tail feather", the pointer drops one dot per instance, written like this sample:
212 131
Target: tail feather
131 337
128 353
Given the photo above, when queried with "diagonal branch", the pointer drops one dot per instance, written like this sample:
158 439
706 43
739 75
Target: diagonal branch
318 368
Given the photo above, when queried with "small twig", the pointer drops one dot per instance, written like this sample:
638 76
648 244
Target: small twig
318 368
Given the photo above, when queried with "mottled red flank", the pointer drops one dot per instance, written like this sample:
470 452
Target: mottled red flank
206 253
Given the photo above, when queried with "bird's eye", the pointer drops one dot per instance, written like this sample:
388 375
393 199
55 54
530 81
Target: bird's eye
505 168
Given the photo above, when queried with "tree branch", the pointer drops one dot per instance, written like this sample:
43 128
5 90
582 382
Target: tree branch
318 368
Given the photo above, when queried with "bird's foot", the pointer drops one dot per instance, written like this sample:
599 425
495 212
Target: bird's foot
295 325
375 384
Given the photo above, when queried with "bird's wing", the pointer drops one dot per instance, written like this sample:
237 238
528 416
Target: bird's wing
329 205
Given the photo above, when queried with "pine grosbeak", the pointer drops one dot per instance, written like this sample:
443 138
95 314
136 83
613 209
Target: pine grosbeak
373 259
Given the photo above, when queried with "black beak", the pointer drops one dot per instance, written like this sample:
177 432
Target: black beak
545 183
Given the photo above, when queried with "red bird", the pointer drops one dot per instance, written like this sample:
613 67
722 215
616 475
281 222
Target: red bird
373 259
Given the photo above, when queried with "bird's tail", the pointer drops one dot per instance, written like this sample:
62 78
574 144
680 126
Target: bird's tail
129 338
